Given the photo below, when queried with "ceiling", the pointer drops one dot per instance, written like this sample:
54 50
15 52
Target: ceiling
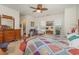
26 10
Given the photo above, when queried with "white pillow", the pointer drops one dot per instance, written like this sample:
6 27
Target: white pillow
74 43
69 35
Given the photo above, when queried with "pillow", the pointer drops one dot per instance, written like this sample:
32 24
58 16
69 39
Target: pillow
69 35
74 43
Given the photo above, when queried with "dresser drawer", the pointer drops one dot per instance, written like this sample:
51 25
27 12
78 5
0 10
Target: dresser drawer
17 33
1 36
9 35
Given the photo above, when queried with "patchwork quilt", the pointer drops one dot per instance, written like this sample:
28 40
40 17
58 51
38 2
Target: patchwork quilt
48 46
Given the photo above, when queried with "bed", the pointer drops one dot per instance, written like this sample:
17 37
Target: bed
45 45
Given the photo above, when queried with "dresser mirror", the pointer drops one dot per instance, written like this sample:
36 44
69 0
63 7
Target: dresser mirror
7 22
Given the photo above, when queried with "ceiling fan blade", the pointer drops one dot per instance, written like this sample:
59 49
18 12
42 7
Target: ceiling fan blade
44 9
34 11
39 8
33 7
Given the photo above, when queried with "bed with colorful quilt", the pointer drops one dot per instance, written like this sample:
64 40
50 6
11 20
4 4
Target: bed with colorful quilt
43 45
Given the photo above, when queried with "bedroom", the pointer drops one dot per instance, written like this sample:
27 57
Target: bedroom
53 29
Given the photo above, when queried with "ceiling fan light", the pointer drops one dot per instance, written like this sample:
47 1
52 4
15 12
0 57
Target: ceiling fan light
39 11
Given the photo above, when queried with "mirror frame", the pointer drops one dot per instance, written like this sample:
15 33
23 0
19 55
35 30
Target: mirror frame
8 17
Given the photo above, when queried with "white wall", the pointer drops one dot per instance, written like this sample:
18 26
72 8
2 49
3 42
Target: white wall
66 20
77 12
10 12
57 20
70 19
26 21
41 21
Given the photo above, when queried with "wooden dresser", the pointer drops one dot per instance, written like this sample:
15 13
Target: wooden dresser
9 35
8 32
1 36
17 34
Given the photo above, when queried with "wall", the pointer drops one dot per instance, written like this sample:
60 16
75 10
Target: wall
41 21
10 12
70 19
25 20
57 20
66 20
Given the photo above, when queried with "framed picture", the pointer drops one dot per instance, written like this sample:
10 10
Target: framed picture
49 23
32 23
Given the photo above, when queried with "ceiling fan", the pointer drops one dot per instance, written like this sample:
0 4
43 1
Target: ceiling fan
39 8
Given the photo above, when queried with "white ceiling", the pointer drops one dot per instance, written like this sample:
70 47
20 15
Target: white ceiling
52 8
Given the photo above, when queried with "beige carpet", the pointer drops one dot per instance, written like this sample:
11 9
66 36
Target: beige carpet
13 48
